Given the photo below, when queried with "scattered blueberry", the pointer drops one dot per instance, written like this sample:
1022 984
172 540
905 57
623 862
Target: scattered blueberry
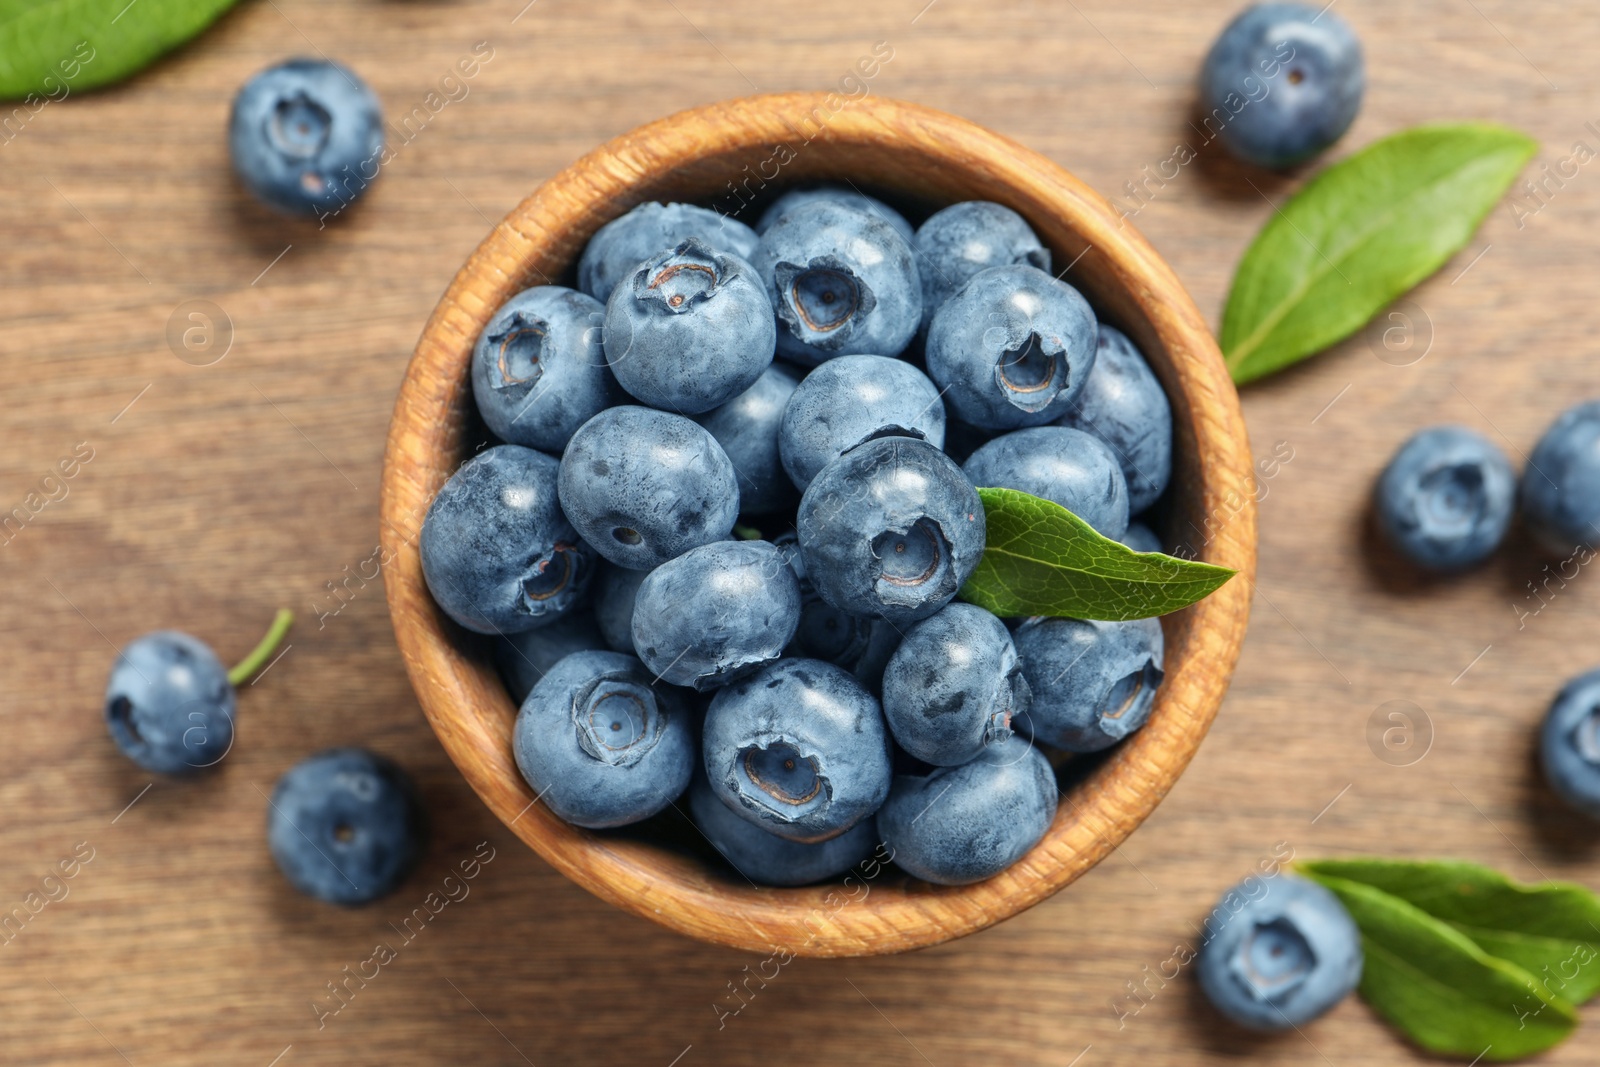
644 486
345 826
497 552
963 239
767 859
689 329
623 243
1013 347
837 194
601 745
1445 499
851 399
799 749
1141 538
525 657
890 529
1279 959
306 136
840 281
615 590
1075 469
169 704
1093 683
1282 82
1560 494
1124 405
953 686
859 644
1569 744
958 825
747 429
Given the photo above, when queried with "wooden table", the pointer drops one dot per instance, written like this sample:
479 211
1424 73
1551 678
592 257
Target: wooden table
216 493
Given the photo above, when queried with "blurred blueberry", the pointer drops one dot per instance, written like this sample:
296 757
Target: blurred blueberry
837 194
1093 683
851 399
747 429
1124 405
1445 500
615 589
1075 469
767 859
623 243
524 658
965 238
169 704
1560 494
1141 538
1569 744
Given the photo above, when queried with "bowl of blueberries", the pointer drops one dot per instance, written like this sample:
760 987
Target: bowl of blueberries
681 493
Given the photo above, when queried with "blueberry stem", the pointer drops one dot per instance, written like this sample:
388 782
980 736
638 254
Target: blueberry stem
269 644
747 533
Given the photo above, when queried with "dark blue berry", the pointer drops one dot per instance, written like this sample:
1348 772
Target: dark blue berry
1445 500
169 704
1124 405
851 399
1072 468
623 243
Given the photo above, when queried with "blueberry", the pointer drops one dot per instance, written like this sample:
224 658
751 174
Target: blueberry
1141 538
953 686
1075 469
538 369
497 552
767 859
169 704
1445 499
963 239
623 243
306 136
840 281
689 329
615 590
1278 959
345 826
524 658
1124 405
890 529
958 825
851 399
747 429
1560 494
1093 683
645 486
837 194
799 749
1569 744
1282 82
1013 347
860 645
600 744
716 613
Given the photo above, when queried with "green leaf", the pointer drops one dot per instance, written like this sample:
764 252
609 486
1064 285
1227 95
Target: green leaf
1041 559
51 47
1551 930
1360 234
1442 990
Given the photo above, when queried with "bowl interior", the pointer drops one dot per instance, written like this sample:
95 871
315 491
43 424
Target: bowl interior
736 157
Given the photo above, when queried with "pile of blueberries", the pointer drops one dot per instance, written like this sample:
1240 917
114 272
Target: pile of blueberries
730 502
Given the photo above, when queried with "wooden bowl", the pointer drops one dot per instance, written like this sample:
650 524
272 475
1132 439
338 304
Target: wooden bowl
746 150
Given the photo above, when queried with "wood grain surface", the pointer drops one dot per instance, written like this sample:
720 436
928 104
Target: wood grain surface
217 493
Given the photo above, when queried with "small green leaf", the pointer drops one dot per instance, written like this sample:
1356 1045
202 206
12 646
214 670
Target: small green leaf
1360 234
1041 559
1551 930
51 46
1442 990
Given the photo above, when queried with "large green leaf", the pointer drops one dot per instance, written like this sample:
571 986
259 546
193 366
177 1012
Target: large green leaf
49 47
1041 559
1360 234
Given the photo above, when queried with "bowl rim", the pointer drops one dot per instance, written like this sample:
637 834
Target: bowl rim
456 687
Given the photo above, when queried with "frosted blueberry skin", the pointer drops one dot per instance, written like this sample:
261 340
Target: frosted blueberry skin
799 749
1569 744
953 686
600 745
1445 500
306 136
1013 347
859 644
747 429
1279 952
623 243
765 858
958 825
1560 492
345 826
1124 405
1141 538
837 194
1282 82
497 552
891 529
1070 467
615 590
840 281
643 486
538 369
524 658
851 399
963 239
169 704
716 613
1093 683
689 329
